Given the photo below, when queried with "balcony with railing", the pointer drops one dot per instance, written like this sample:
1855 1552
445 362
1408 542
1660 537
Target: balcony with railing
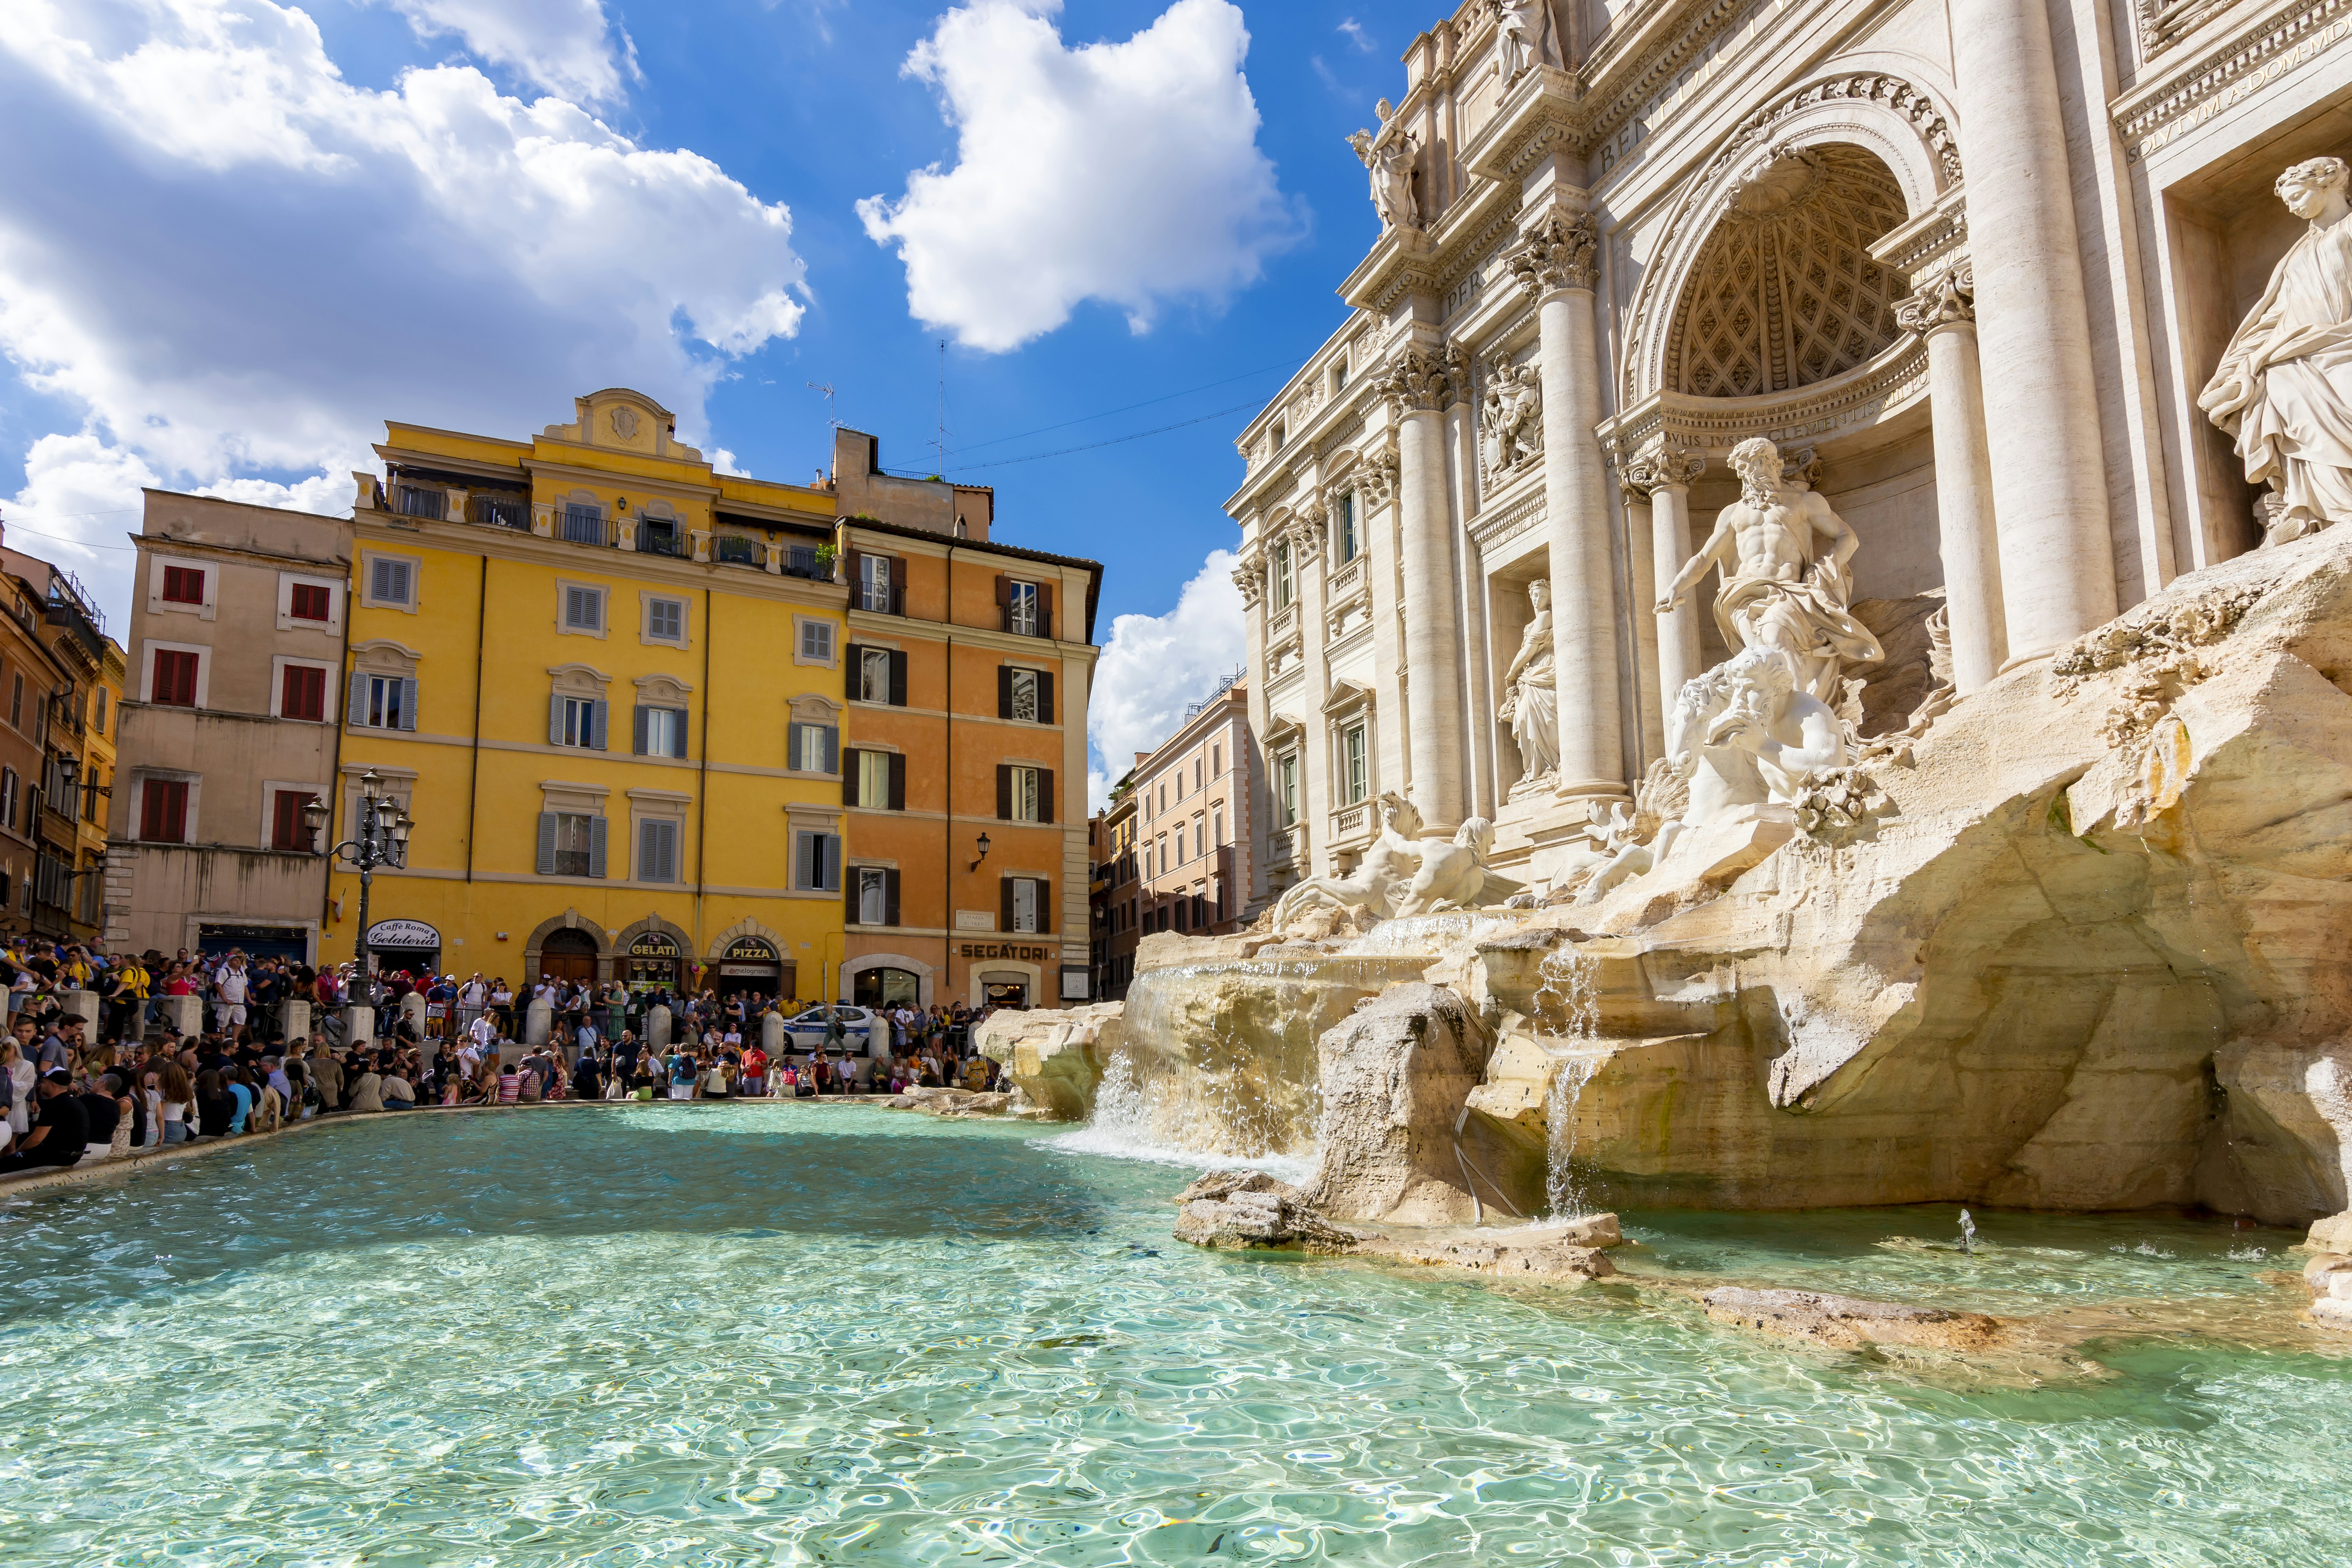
577 524
880 598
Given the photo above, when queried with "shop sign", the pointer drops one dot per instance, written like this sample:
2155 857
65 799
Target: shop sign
403 933
1005 950
754 971
747 950
654 945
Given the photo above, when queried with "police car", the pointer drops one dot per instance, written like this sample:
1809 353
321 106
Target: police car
860 1030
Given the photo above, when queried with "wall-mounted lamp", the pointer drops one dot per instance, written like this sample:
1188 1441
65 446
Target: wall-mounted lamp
983 854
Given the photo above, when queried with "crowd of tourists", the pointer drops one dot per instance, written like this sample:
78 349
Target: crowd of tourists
72 1089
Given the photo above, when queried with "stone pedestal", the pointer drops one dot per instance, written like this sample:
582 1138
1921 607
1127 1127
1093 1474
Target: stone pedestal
294 1019
85 1006
2049 484
411 1010
538 1019
186 1014
772 1039
359 1024
658 1028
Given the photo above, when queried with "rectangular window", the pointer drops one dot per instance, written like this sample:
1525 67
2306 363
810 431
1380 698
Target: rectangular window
1343 527
303 693
287 828
384 701
658 536
1217 827
1216 761
10 789
183 585
575 843
665 620
1281 571
1028 794
390 581
874 675
817 862
584 525
583 609
1285 789
312 602
1196 773
1178 840
873 896
657 850
874 779
98 709
576 722
816 641
1025 903
1355 773
1021 609
661 731
17 701
813 748
874 583
1339 374
175 683
1024 695
164 811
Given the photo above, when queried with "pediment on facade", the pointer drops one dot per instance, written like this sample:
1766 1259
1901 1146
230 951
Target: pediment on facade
624 420
1348 695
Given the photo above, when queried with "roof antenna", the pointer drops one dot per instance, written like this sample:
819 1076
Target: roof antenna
827 390
941 444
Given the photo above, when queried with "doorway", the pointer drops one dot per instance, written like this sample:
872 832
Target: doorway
568 955
886 988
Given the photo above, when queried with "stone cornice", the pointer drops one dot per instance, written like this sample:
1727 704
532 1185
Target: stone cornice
2222 65
1857 400
1538 113
1622 74
1932 239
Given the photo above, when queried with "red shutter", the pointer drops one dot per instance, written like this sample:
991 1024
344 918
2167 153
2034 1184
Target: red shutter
164 811
304 693
175 678
288 830
312 602
183 585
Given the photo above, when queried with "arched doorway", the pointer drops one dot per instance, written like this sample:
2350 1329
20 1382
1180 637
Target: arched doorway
887 987
653 961
569 955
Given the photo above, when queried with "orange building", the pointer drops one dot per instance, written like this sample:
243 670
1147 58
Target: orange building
963 739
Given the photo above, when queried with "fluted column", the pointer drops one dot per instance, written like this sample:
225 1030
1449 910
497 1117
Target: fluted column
1665 474
2049 492
1555 264
1416 386
1945 311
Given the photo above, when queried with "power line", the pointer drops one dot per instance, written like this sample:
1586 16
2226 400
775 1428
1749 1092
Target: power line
1290 365
14 527
1115 440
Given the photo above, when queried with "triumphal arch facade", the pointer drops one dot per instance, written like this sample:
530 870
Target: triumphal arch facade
1990 277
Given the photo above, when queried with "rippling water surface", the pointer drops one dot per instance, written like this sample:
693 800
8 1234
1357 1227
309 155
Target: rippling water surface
796 1334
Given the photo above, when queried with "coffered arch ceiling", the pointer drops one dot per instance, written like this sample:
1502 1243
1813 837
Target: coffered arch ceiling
1784 292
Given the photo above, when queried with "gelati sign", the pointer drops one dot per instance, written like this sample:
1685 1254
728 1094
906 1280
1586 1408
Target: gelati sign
653 944
403 933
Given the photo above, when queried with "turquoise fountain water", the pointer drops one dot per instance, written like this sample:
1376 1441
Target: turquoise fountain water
795 1334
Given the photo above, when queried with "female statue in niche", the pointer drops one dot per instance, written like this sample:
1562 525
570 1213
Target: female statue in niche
1532 706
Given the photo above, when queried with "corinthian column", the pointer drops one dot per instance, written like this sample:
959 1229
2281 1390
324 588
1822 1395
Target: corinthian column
1945 312
2049 494
1416 385
1555 264
1665 474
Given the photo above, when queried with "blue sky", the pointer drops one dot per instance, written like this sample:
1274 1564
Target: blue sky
234 237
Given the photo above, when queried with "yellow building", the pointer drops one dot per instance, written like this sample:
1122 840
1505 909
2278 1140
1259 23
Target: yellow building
604 680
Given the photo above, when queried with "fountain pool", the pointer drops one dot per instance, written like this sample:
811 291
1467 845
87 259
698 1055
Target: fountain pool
800 1334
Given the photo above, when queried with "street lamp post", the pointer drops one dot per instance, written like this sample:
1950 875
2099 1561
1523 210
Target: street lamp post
379 837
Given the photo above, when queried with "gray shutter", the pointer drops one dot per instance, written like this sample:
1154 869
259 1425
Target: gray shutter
792 745
832 749
800 860
408 703
547 843
596 845
1004 691
889 898
1045 794
829 849
596 717
555 719
897 784
355 706
677 745
849 777
897 677
638 734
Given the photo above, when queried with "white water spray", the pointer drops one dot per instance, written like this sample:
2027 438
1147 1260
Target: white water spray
1568 1011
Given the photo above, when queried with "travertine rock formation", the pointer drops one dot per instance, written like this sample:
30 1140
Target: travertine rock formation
1394 1078
1843 1322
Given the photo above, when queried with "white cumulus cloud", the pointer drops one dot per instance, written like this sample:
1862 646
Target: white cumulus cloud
1126 173
1156 666
569 47
237 266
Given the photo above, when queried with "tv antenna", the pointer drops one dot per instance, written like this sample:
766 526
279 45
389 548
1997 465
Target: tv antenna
941 444
827 390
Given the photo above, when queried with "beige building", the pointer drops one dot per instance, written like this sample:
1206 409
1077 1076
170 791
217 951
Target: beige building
227 728
1190 828
1969 267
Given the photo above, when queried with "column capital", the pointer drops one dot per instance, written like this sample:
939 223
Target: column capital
1378 475
1250 578
1561 251
1948 300
1655 466
1419 382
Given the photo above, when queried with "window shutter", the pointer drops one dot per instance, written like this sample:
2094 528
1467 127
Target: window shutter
677 739
849 898
596 845
855 561
1044 609
851 665
408 703
1004 897
890 897
897 593
638 739
801 878
596 720
1004 792
1044 912
897 679
555 719
832 749
849 777
1003 605
1004 691
547 843
1045 697
1045 794
897 784
792 745
355 708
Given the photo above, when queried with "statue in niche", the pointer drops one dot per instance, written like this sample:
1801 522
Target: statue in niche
1520 26
1511 421
1389 156
1784 555
2283 391
1532 706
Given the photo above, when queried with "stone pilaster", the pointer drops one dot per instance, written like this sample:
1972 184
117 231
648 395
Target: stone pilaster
1664 475
1555 263
2048 490
1945 314
1417 385
1473 724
